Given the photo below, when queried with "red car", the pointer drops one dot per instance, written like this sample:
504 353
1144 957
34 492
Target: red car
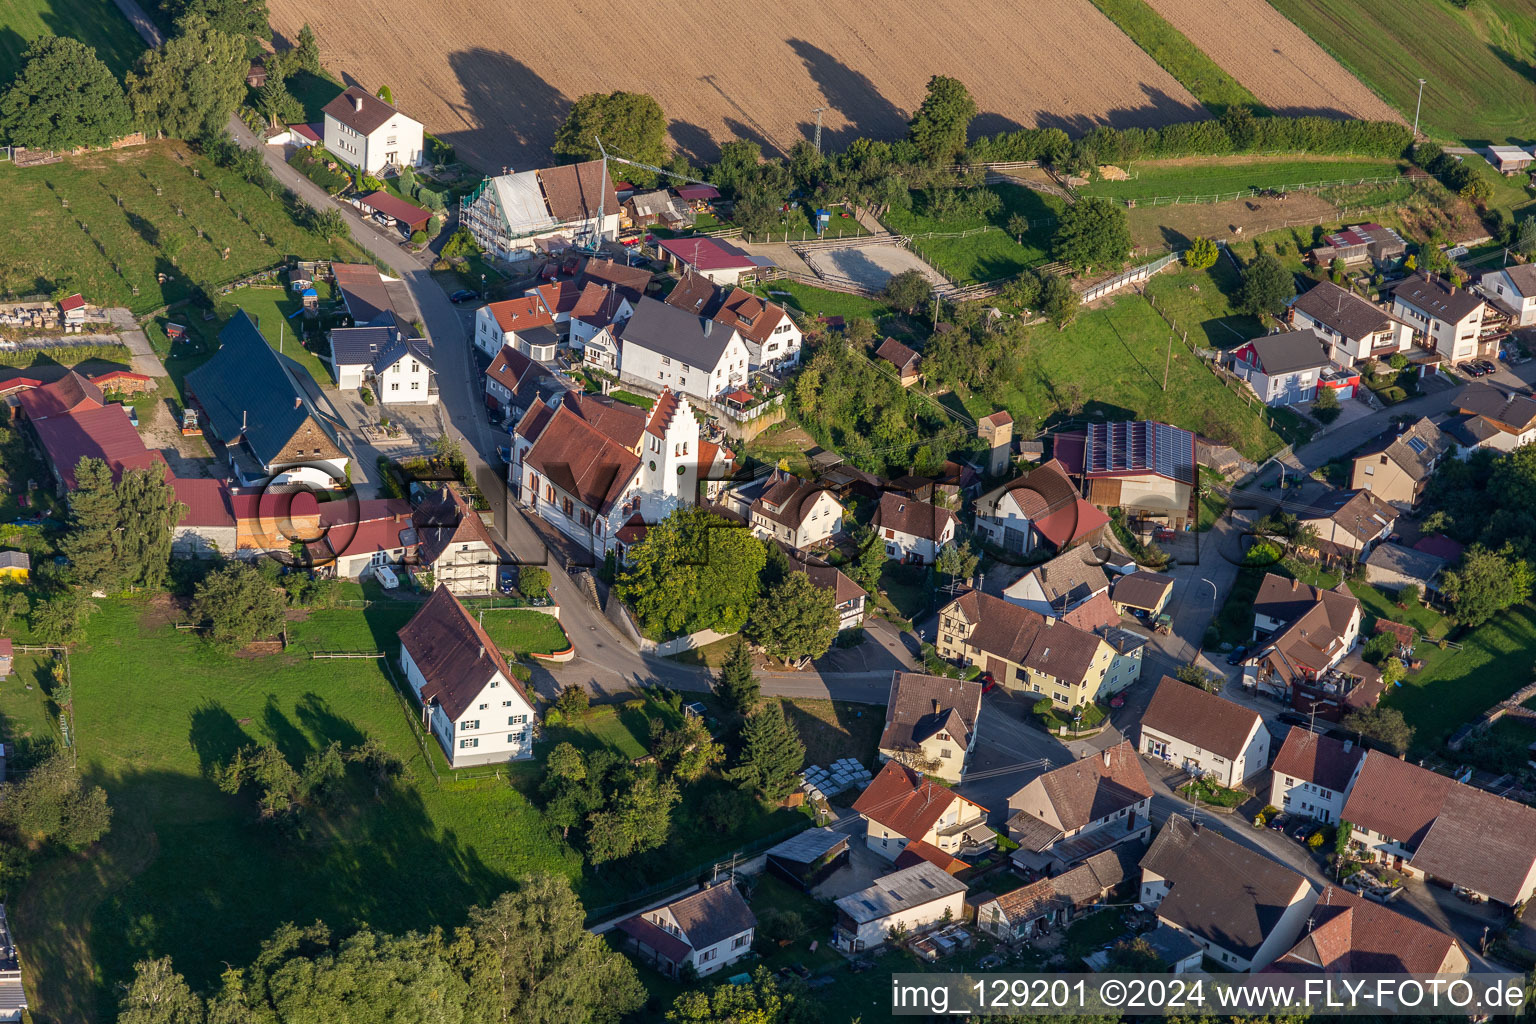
1117 701
987 682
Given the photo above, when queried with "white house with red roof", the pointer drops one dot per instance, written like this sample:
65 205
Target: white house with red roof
721 262
596 320
515 322
368 133
903 809
592 467
1313 774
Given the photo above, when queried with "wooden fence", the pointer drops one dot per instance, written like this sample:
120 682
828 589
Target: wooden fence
1277 190
1133 276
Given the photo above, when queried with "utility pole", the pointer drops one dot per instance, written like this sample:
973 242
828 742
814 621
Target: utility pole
935 313
281 324
1417 107
818 111
1168 363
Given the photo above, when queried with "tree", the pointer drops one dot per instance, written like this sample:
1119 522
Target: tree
630 124
1059 302
1384 726
528 957
60 617
307 50
957 561
278 104
1337 270
795 619
566 764
939 127
1018 226
574 702
149 513
1325 404
244 20
1485 583
868 565
188 88
771 753
737 685
1392 672
63 97
13 605
158 995
51 805
1194 675
239 604
638 819
908 290
1135 956
1093 233
1266 287
533 581
386 95
1201 254
692 571
91 543
120 534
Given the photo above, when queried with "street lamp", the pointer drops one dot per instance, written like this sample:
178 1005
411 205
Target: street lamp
1213 590
1416 107
482 286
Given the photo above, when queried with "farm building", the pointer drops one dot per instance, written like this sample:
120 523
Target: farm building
1509 159
721 262
1144 467
807 858
1362 243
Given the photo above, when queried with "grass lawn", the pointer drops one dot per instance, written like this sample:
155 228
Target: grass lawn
709 656
1476 62
1201 302
993 254
1213 503
1454 687
1208 176
1210 793
906 589
519 632
833 729
105 250
630 398
96 23
1181 58
272 306
1110 362
772 895
29 719
20 466
784 441
625 730
1094 932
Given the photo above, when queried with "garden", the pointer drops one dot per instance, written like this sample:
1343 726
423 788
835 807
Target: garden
979 234
144 227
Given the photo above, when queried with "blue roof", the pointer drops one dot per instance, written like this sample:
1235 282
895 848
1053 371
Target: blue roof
248 390
310 291
1144 446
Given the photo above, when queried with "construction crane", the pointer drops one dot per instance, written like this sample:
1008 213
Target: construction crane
602 192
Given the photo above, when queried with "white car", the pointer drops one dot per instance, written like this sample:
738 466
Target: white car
386 577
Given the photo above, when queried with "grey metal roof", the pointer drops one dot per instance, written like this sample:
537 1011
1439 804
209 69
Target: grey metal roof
248 389
1289 352
677 334
809 846
1419 565
15 560
915 886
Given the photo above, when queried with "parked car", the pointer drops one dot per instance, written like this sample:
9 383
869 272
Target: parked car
506 581
464 295
386 577
1117 701
1237 656
504 453
987 682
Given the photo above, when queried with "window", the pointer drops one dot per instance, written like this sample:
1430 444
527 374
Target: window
708 955
946 752
494 685
517 719
506 703
665 361
484 706
470 724
740 941
465 744
415 385
394 387
415 366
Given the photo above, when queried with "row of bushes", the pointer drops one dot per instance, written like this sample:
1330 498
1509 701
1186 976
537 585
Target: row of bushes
1238 132
312 162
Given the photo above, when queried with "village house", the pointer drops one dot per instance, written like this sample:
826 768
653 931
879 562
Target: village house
1352 329
592 467
658 208
1070 813
772 338
663 346
1512 290
251 404
1206 735
514 217
901 808
1493 417
207 529
365 295
719 261
1425 825
558 300
1244 909
1346 934
1348 523
523 324
1398 466
370 134
513 382
597 322
1041 507
71 421
903 360
395 363
1307 656
629 282
795 512
1027 912
1145 468
930 723
1071 587
358 537
15 566
903 902
1313 773
849 599
913 531
474 705
453 544
1026 652
1142 593
1288 368
1392 567
705 931
1450 318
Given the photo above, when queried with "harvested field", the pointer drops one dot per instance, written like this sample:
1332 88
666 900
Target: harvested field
499 91
1276 61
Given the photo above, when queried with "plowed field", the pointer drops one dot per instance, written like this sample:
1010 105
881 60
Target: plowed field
1272 58
497 79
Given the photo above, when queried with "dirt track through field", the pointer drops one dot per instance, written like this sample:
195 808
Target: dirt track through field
1273 59
497 79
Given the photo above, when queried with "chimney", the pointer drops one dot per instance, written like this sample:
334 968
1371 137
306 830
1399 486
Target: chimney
936 707
1349 745
1295 585
298 402
482 650
1106 757
357 103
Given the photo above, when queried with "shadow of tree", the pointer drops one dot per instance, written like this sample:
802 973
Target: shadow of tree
214 734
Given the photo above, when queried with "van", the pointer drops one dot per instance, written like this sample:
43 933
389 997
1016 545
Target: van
386 577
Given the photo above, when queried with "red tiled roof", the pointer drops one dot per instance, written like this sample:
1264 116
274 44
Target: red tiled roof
70 393
648 934
1396 798
706 254
1318 759
520 314
1097 786
308 131
582 460
71 303
1350 935
917 850
755 318
904 801
208 501
575 192
112 376
662 413
1439 545
101 433
393 206
374 113
510 368
455 655
558 296
1048 498
274 505
1206 720
897 354
597 304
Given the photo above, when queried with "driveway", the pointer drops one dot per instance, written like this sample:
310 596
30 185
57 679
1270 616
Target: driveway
144 359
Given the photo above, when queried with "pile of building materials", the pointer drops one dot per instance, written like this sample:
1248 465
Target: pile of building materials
820 783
